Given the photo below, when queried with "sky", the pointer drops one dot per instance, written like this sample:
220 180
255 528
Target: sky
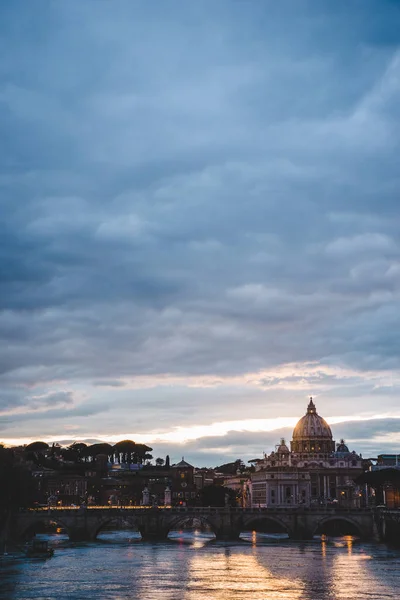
200 223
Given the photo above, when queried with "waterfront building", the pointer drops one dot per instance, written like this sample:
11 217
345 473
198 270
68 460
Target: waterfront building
383 478
241 484
204 477
277 482
388 460
313 471
183 488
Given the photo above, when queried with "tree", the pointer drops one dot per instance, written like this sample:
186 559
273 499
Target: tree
37 447
18 487
147 457
232 468
80 449
36 452
100 448
140 452
69 455
125 451
217 495
159 462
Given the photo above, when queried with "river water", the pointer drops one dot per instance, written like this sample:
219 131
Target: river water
191 566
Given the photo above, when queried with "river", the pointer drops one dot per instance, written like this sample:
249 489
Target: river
191 566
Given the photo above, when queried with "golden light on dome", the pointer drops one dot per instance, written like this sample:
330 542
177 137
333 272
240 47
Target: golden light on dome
312 433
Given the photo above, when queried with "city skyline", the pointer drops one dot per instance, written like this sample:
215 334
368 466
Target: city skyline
267 434
200 223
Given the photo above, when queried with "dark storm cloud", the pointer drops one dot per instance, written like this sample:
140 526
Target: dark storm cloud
12 400
201 189
364 431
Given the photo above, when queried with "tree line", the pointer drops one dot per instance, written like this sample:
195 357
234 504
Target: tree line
123 452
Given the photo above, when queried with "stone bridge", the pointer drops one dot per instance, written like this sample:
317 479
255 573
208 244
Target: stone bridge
388 525
226 523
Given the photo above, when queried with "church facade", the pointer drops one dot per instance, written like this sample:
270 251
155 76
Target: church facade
314 471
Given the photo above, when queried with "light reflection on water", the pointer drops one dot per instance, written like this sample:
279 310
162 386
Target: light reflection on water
194 566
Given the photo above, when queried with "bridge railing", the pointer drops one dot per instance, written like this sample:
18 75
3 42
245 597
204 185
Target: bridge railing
199 509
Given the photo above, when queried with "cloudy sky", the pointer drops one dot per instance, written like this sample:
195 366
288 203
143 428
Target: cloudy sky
200 222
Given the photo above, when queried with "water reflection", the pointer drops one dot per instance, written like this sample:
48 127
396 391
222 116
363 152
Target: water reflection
232 575
350 572
349 543
194 566
195 538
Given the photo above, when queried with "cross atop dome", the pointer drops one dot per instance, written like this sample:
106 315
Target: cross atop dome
311 410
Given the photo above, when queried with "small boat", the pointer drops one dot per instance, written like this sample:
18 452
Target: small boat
38 549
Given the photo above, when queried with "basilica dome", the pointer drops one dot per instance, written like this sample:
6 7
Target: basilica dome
312 425
312 433
282 448
342 447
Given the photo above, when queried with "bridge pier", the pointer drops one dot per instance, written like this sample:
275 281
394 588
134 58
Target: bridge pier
80 534
392 534
387 523
228 525
153 527
301 530
154 536
227 534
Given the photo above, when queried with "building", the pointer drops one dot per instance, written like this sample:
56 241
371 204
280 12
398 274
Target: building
276 482
183 486
313 471
204 477
241 485
383 479
388 460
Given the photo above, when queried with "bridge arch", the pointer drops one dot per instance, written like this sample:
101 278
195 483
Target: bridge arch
28 529
338 525
267 523
131 523
179 521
